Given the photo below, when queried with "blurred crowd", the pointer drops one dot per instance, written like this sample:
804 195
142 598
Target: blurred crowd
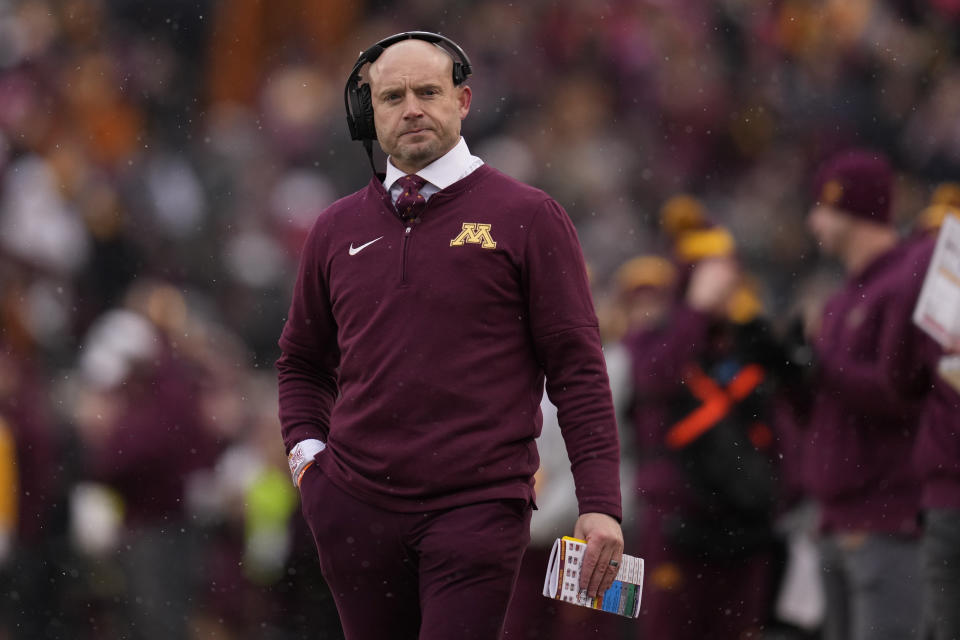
162 162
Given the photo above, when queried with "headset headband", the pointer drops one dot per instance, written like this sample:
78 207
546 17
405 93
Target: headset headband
371 54
357 99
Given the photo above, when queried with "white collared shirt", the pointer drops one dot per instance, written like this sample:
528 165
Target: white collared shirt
454 165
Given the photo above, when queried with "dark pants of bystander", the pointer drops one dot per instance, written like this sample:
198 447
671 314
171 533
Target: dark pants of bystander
940 549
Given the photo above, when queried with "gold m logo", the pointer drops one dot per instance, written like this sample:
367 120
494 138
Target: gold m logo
474 234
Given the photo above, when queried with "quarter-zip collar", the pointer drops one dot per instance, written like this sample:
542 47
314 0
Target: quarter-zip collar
379 191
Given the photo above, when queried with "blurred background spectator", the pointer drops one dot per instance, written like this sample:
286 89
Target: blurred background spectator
161 163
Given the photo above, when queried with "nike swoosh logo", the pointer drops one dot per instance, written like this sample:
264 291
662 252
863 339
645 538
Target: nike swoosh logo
355 250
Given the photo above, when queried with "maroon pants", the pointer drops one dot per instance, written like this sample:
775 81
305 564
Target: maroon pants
428 575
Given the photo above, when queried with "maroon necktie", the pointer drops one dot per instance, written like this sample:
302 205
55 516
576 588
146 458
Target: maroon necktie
411 203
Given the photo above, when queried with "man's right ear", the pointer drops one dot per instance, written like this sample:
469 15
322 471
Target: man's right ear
464 99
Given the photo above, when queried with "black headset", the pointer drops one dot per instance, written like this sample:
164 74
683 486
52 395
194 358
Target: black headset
357 98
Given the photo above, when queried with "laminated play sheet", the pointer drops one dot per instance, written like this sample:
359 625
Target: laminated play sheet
938 307
562 581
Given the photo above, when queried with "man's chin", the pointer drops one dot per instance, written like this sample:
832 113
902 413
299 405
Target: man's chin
419 154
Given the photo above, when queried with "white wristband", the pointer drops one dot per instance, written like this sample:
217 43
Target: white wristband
301 456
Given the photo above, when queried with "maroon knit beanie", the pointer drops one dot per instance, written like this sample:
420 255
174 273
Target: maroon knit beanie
859 182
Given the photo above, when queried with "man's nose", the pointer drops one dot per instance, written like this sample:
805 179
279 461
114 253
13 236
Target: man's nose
411 106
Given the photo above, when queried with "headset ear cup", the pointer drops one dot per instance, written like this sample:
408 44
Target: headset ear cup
360 115
365 126
353 112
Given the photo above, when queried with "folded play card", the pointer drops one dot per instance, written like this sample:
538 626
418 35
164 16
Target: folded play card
562 581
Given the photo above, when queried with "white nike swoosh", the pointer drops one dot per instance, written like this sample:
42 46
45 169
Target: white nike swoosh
355 250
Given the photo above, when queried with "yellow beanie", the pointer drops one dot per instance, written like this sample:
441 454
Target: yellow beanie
682 213
644 271
707 243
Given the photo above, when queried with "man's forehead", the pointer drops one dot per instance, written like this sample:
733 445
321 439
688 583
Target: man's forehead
408 57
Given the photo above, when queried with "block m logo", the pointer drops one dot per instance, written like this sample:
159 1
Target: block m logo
474 233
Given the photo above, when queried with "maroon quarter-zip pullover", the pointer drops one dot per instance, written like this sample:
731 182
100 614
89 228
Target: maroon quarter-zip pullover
418 351
862 428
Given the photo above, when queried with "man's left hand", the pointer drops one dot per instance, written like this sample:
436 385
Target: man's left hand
601 562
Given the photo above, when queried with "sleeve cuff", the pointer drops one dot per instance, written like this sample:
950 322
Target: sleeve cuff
611 509
301 457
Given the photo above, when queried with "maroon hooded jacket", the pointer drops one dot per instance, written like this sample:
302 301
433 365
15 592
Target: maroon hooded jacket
418 352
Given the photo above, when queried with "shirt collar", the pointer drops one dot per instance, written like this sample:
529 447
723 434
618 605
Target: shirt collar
443 171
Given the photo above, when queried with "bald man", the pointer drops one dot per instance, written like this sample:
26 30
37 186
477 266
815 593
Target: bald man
430 307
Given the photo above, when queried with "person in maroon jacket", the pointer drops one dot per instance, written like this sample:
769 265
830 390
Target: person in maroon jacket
936 454
705 481
145 441
31 483
429 308
862 428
